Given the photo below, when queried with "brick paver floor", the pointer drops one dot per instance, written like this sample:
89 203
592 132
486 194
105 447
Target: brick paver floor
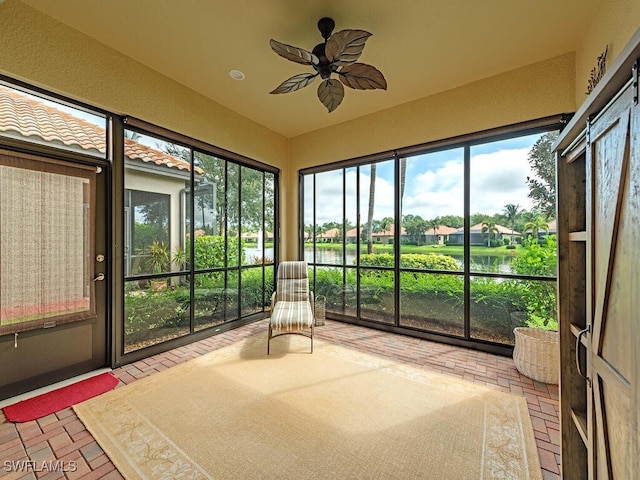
61 442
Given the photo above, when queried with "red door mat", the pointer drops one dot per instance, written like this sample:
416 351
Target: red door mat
61 398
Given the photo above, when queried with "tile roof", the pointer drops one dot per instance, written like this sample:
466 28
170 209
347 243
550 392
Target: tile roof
390 231
441 230
31 119
477 228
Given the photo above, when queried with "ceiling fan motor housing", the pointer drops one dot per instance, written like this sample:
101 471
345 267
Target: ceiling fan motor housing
326 26
324 67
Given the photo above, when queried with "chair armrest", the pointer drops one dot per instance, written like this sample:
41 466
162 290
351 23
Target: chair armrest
273 300
313 304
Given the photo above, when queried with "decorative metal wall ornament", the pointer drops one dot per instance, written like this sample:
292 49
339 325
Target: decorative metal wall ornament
338 54
598 71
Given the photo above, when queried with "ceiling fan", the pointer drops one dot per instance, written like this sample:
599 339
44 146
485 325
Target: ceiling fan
338 54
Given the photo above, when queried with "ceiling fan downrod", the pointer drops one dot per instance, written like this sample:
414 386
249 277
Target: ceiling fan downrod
324 67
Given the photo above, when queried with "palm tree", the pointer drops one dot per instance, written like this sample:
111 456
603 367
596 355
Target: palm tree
433 225
308 230
403 177
511 211
385 223
372 194
536 225
490 229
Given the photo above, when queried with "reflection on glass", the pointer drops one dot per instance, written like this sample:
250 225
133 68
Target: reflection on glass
432 302
155 311
433 210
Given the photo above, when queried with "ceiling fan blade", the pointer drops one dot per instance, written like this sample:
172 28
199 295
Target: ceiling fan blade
331 93
295 83
294 54
362 77
344 47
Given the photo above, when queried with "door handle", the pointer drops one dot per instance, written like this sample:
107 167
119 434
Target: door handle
99 277
582 332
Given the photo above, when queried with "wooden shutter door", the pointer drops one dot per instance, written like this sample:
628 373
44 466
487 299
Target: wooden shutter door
613 304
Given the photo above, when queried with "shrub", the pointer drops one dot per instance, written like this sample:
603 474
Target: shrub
540 298
210 252
536 258
145 314
252 290
427 261
506 240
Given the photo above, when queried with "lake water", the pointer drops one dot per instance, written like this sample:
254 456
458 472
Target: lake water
479 263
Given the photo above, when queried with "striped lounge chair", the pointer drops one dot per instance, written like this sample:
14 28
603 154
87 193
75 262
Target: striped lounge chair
291 303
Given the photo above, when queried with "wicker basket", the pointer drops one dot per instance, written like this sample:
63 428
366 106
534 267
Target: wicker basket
320 307
537 354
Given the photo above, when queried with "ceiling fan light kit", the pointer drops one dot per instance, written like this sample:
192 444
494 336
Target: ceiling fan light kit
337 55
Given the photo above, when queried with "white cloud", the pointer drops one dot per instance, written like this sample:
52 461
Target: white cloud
497 179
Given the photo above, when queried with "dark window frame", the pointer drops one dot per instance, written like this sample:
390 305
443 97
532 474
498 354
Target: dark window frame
466 142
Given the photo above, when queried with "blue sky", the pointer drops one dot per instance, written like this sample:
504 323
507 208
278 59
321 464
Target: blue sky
434 184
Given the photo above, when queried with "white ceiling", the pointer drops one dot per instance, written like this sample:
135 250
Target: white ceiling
422 47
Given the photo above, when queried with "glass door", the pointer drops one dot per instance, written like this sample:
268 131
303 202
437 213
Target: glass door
52 271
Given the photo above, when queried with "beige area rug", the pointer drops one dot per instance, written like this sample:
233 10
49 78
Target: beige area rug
237 413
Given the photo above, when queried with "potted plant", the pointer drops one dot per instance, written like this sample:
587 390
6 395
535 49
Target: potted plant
179 258
158 262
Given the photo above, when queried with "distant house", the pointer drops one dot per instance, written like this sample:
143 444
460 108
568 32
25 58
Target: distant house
333 235
352 235
439 236
386 236
254 237
553 228
477 237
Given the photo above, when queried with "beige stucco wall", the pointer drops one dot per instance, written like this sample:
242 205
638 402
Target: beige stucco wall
613 23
